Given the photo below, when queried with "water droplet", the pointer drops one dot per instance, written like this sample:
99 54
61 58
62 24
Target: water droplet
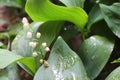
65 28
73 61
93 57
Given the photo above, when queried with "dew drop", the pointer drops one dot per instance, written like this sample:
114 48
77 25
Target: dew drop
65 28
93 57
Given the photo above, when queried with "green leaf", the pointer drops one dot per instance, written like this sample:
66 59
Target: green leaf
20 44
10 3
95 15
95 52
114 75
44 10
71 3
28 64
10 73
112 17
63 64
116 61
7 57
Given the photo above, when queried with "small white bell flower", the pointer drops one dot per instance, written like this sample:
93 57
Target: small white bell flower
26 26
32 44
38 35
25 23
41 61
44 44
34 54
29 35
46 64
24 20
47 49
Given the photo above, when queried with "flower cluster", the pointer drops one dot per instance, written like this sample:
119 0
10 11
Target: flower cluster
35 42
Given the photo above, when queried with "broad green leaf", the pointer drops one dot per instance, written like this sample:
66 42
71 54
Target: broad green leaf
116 61
95 52
95 15
7 57
114 75
71 3
112 17
44 10
20 44
10 3
10 73
28 64
64 64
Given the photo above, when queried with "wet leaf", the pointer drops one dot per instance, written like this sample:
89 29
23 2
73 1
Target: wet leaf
111 15
95 52
63 64
7 57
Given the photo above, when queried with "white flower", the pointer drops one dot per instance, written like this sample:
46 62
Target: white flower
25 23
44 44
34 54
29 35
32 44
24 20
26 26
46 64
38 35
41 61
47 49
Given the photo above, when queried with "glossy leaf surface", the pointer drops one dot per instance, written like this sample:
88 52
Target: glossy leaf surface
44 10
95 52
63 64
112 17
71 3
7 57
